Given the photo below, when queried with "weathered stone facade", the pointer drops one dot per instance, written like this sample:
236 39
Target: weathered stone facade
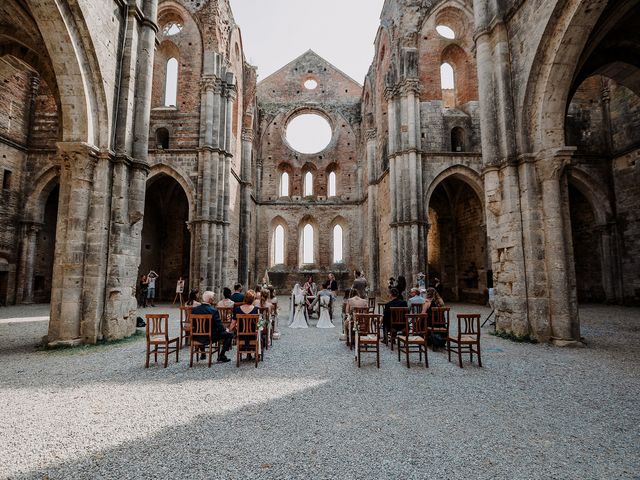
524 175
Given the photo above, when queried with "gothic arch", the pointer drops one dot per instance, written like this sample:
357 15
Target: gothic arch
460 172
276 222
593 191
308 220
183 181
36 200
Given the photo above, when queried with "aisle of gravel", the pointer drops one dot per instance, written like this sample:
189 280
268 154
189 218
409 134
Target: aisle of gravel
533 411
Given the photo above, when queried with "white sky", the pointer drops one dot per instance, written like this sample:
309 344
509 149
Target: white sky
274 32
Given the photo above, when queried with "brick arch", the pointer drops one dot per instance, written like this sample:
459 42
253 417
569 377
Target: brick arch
460 172
37 198
188 188
464 71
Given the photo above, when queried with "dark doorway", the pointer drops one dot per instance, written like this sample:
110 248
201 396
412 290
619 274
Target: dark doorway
45 248
165 236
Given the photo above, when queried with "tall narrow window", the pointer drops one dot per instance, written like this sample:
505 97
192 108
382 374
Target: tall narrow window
447 81
332 184
337 244
308 184
278 245
171 84
307 244
284 184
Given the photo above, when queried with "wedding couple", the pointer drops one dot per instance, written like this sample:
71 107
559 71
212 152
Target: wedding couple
298 317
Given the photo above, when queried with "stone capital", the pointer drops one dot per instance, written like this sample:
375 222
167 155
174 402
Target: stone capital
208 84
78 159
372 134
247 134
550 163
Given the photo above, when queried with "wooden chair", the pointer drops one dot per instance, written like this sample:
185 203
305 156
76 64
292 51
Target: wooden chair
397 323
367 335
201 326
413 338
247 337
158 340
468 335
265 315
438 323
352 324
185 324
415 308
372 304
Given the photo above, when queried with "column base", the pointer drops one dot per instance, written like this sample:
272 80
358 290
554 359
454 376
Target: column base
76 342
559 342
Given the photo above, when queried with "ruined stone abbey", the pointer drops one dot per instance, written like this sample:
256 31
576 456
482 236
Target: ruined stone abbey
521 174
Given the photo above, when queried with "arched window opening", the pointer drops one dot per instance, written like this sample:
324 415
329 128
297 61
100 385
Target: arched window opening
284 184
448 84
332 184
162 138
278 245
446 32
457 139
337 244
171 85
308 184
307 244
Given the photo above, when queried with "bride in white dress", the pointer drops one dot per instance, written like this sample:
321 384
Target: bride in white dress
298 308
324 301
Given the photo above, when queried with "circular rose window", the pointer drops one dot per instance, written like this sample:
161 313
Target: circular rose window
308 133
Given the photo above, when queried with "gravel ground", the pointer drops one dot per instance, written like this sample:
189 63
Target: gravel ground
307 411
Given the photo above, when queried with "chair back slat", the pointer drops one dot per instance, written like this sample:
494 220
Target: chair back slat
200 324
368 323
157 325
397 316
415 308
415 324
185 310
372 304
469 324
247 324
440 317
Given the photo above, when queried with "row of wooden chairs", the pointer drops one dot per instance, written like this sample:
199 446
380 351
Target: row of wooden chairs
249 339
411 331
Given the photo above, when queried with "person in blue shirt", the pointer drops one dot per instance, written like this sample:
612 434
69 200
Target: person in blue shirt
219 332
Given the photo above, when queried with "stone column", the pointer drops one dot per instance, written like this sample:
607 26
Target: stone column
564 322
245 205
78 162
27 262
372 212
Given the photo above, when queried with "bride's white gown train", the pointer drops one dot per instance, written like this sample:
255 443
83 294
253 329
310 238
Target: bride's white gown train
325 320
300 314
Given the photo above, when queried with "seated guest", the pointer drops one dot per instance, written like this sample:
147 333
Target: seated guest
415 297
192 301
237 295
226 302
264 300
247 308
433 300
218 331
355 300
396 301
401 285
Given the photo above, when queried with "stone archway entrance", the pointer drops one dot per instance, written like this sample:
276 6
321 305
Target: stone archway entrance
457 241
165 237
45 247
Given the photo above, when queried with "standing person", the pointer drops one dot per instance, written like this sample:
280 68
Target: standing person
273 298
237 295
333 287
360 284
151 288
144 285
401 285
437 285
218 330
421 282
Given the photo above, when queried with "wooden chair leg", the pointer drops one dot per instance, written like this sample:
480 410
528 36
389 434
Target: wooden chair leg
146 363
238 356
177 352
166 355
479 357
378 354
398 349
406 351
449 349
460 355
190 356
426 359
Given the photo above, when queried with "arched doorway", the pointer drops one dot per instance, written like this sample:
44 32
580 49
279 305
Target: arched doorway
457 241
45 247
165 235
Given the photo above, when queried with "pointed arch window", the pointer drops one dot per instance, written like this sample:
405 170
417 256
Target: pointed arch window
338 256
332 184
308 184
307 244
278 245
171 83
284 184
447 80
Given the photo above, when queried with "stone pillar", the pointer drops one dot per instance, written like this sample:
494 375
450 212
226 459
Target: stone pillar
372 213
245 205
563 319
78 162
28 259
